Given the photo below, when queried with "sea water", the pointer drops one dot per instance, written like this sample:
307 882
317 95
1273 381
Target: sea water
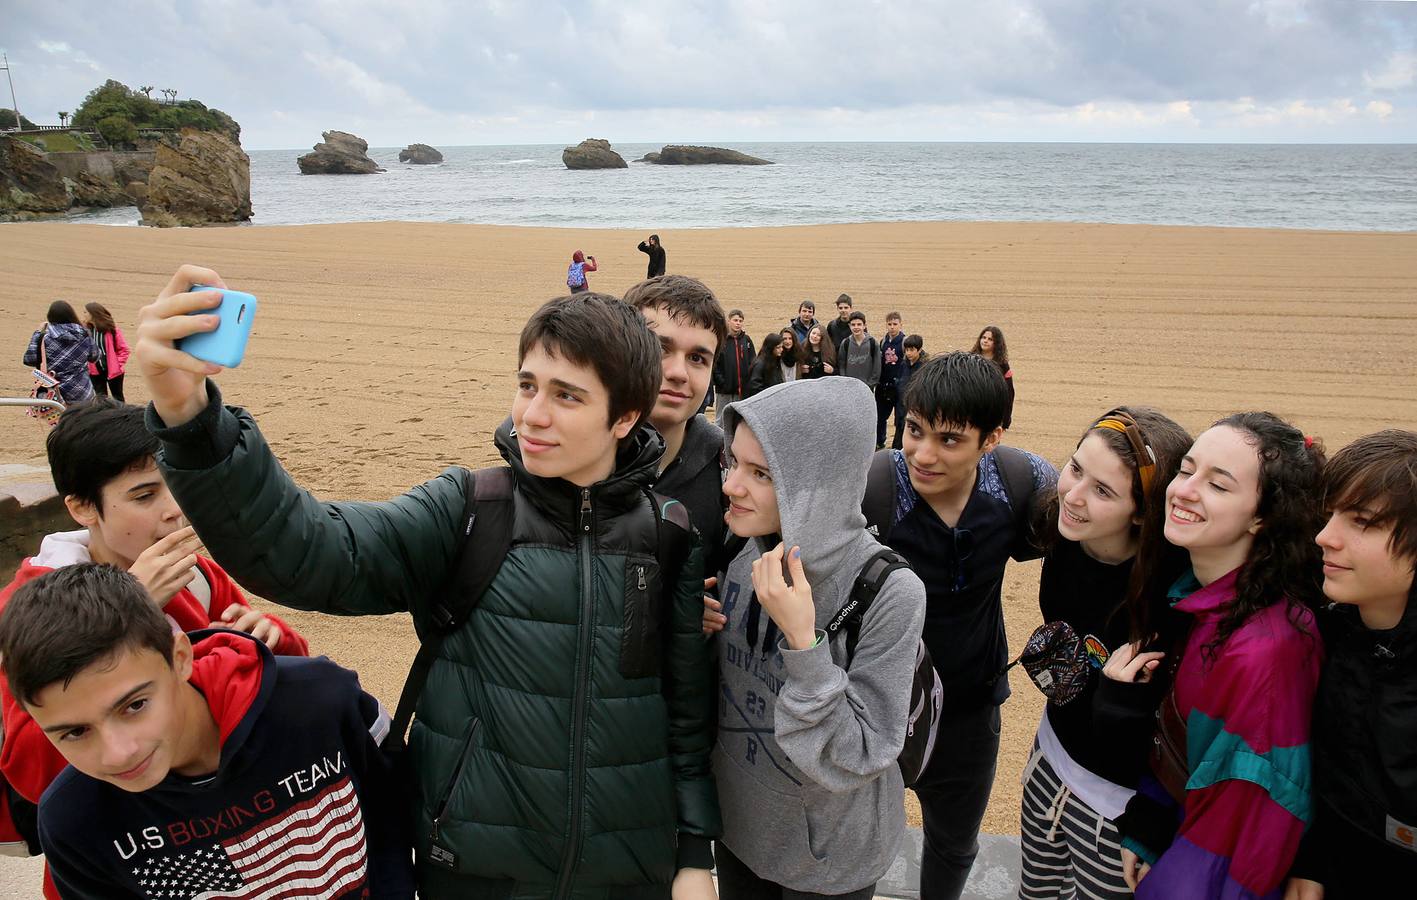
1315 186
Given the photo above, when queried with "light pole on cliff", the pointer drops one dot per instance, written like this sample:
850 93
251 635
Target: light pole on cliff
14 104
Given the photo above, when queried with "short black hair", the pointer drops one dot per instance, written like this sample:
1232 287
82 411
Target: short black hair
607 335
1377 474
856 314
686 300
959 388
61 313
66 620
844 298
95 442
914 341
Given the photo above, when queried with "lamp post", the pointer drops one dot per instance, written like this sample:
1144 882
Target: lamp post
14 104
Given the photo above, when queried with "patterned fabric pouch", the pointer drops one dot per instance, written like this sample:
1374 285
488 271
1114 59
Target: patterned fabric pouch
1059 661
46 387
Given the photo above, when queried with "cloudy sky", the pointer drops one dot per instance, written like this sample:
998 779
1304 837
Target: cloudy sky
501 71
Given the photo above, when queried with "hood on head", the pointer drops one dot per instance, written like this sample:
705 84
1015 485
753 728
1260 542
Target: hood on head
818 437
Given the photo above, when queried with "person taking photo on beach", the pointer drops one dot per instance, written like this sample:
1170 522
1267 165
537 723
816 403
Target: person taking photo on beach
734 363
958 506
839 329
1363 841
688 321
576 273
803 322
561 747
810 727
892 359
652 247
1228 794
1104 581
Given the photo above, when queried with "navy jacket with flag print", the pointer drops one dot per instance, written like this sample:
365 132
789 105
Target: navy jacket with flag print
301 805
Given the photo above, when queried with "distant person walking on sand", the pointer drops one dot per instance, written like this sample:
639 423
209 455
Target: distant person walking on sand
106 372
65 352
575 275
656 255
990 345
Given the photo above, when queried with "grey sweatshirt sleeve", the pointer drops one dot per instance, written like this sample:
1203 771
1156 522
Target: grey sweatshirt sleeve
843 729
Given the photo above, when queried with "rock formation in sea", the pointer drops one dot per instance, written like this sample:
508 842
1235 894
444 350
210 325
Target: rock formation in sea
201 178
420 155
339 154
593 153
681 155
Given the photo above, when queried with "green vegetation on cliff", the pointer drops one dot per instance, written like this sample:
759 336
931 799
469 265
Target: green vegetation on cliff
120 113
7 120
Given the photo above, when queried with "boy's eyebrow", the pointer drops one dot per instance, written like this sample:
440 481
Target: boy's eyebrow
146 485
122 702
567 386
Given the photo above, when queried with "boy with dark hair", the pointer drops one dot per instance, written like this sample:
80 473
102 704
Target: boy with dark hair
839 329
734 362
859 356
688 320
201 764
892 359
101 457
562 744
915 357
806 318
957 506
1363 840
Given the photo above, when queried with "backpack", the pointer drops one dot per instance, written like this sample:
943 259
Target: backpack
575 275
485 538
1015 471
926 692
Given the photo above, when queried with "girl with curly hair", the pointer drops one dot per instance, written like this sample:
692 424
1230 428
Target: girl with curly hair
1227 797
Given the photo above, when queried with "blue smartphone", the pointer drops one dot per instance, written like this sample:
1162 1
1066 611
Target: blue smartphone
227 344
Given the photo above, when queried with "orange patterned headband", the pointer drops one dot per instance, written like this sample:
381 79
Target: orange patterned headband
1116 420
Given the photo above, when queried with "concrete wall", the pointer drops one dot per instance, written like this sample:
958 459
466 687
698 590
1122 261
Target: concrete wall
29 509
101 163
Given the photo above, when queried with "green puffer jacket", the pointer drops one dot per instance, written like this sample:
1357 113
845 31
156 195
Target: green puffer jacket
558 755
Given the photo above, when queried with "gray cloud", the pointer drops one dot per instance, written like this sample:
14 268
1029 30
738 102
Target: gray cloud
288 70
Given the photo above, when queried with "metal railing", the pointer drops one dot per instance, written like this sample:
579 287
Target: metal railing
31 401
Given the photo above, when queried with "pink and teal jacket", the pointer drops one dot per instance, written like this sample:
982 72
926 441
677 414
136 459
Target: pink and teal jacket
1247 709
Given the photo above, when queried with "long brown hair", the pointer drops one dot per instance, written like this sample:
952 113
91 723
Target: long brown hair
1158 562
1001 349
100 318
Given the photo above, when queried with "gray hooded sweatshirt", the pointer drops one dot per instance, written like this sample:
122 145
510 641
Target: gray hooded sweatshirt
811 795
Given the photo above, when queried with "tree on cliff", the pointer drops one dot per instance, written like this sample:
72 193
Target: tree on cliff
7 119
119 113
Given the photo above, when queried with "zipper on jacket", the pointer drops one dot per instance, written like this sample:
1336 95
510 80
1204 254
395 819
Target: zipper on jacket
447 798
584 633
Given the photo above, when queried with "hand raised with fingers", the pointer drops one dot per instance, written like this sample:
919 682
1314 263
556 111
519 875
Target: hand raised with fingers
1128 664
256 624
176 380
167 566
790 606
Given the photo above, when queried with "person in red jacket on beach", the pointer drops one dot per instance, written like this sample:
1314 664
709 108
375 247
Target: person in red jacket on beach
103 461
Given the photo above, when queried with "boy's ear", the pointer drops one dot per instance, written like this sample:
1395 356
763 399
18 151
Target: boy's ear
625 424
82 511
182 655
993 438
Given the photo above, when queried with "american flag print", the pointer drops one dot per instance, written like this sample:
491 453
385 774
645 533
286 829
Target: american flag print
313 850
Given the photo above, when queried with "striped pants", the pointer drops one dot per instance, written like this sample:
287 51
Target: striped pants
1069 851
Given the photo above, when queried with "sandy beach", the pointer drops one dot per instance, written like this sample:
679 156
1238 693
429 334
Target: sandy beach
383 352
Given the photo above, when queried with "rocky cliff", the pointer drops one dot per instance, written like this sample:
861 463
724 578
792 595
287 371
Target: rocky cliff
201 178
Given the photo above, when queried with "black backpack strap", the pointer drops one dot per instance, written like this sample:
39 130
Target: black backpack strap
675 530
1016 472
863 593
485 536
878 504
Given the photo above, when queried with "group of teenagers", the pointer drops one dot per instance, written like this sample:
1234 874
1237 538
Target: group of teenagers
632 669
805 348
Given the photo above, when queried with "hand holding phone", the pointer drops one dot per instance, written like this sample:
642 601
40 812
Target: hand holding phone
225 346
